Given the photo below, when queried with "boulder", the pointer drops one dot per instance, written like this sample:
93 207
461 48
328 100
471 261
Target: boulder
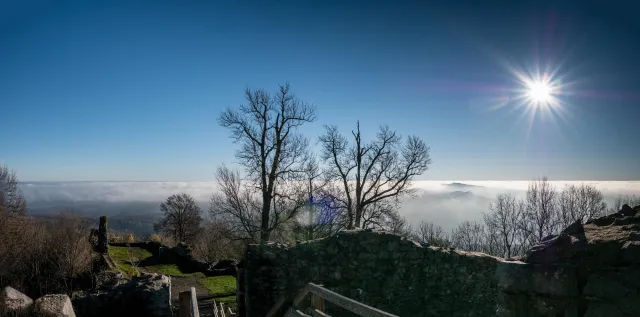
107 280
53 305
148 295
13 302
587 270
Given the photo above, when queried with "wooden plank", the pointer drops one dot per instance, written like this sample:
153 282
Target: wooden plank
194 303
295 313
317 302
222 314
347 303
318 313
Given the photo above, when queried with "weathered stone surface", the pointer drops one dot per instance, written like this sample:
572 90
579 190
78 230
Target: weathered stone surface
532 305
13 302
516 277
613 283
588 270
148 295
53 305
377 268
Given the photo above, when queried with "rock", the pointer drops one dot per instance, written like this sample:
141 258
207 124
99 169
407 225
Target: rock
107 280
574 228
627 211
148 295
553 250
53 305
13 302
588 270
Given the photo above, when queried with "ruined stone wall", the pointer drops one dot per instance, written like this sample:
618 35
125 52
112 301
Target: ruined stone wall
380 269
588 270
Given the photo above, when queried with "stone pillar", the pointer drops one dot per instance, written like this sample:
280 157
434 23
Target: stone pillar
103 241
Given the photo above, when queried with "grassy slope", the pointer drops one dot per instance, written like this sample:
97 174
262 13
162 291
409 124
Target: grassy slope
223 288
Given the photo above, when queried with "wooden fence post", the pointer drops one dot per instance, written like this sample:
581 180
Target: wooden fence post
188 304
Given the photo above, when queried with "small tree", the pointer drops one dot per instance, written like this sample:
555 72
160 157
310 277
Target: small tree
371 172
181 218
11 200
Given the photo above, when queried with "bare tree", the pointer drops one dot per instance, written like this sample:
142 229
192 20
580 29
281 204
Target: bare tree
432 234
236 205
580 203
540 219
621 200
503 220
271 150
11 199
469 236
370 172
181 218
393 222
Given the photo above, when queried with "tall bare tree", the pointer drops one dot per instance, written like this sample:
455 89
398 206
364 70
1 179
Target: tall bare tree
540 219
11 199
504 220
581 203
371 172
181 218
272 152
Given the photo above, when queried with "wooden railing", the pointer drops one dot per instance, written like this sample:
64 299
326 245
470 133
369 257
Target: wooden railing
188 306
219 310
316 305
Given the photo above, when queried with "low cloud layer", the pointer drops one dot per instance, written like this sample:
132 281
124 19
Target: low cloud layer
446 203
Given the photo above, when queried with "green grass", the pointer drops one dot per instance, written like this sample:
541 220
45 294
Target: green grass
123 257
171 270
220 286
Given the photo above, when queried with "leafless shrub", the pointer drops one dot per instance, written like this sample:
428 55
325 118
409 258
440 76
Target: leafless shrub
469 236
432 234
216 242
40 256
581 203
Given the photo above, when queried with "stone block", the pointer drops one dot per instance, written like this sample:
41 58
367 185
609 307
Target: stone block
553 280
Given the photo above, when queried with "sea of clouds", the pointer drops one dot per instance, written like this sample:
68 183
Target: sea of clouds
446 203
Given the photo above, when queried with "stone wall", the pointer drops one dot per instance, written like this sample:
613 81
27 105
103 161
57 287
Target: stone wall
377 268
588 270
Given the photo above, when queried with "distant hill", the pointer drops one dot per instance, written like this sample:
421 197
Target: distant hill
456 185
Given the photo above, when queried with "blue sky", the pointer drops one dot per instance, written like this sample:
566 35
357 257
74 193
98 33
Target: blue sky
131 90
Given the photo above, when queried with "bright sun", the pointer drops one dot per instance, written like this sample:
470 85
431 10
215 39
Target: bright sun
539 92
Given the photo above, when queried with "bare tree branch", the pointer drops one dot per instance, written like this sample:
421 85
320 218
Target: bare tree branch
272 153
371 172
